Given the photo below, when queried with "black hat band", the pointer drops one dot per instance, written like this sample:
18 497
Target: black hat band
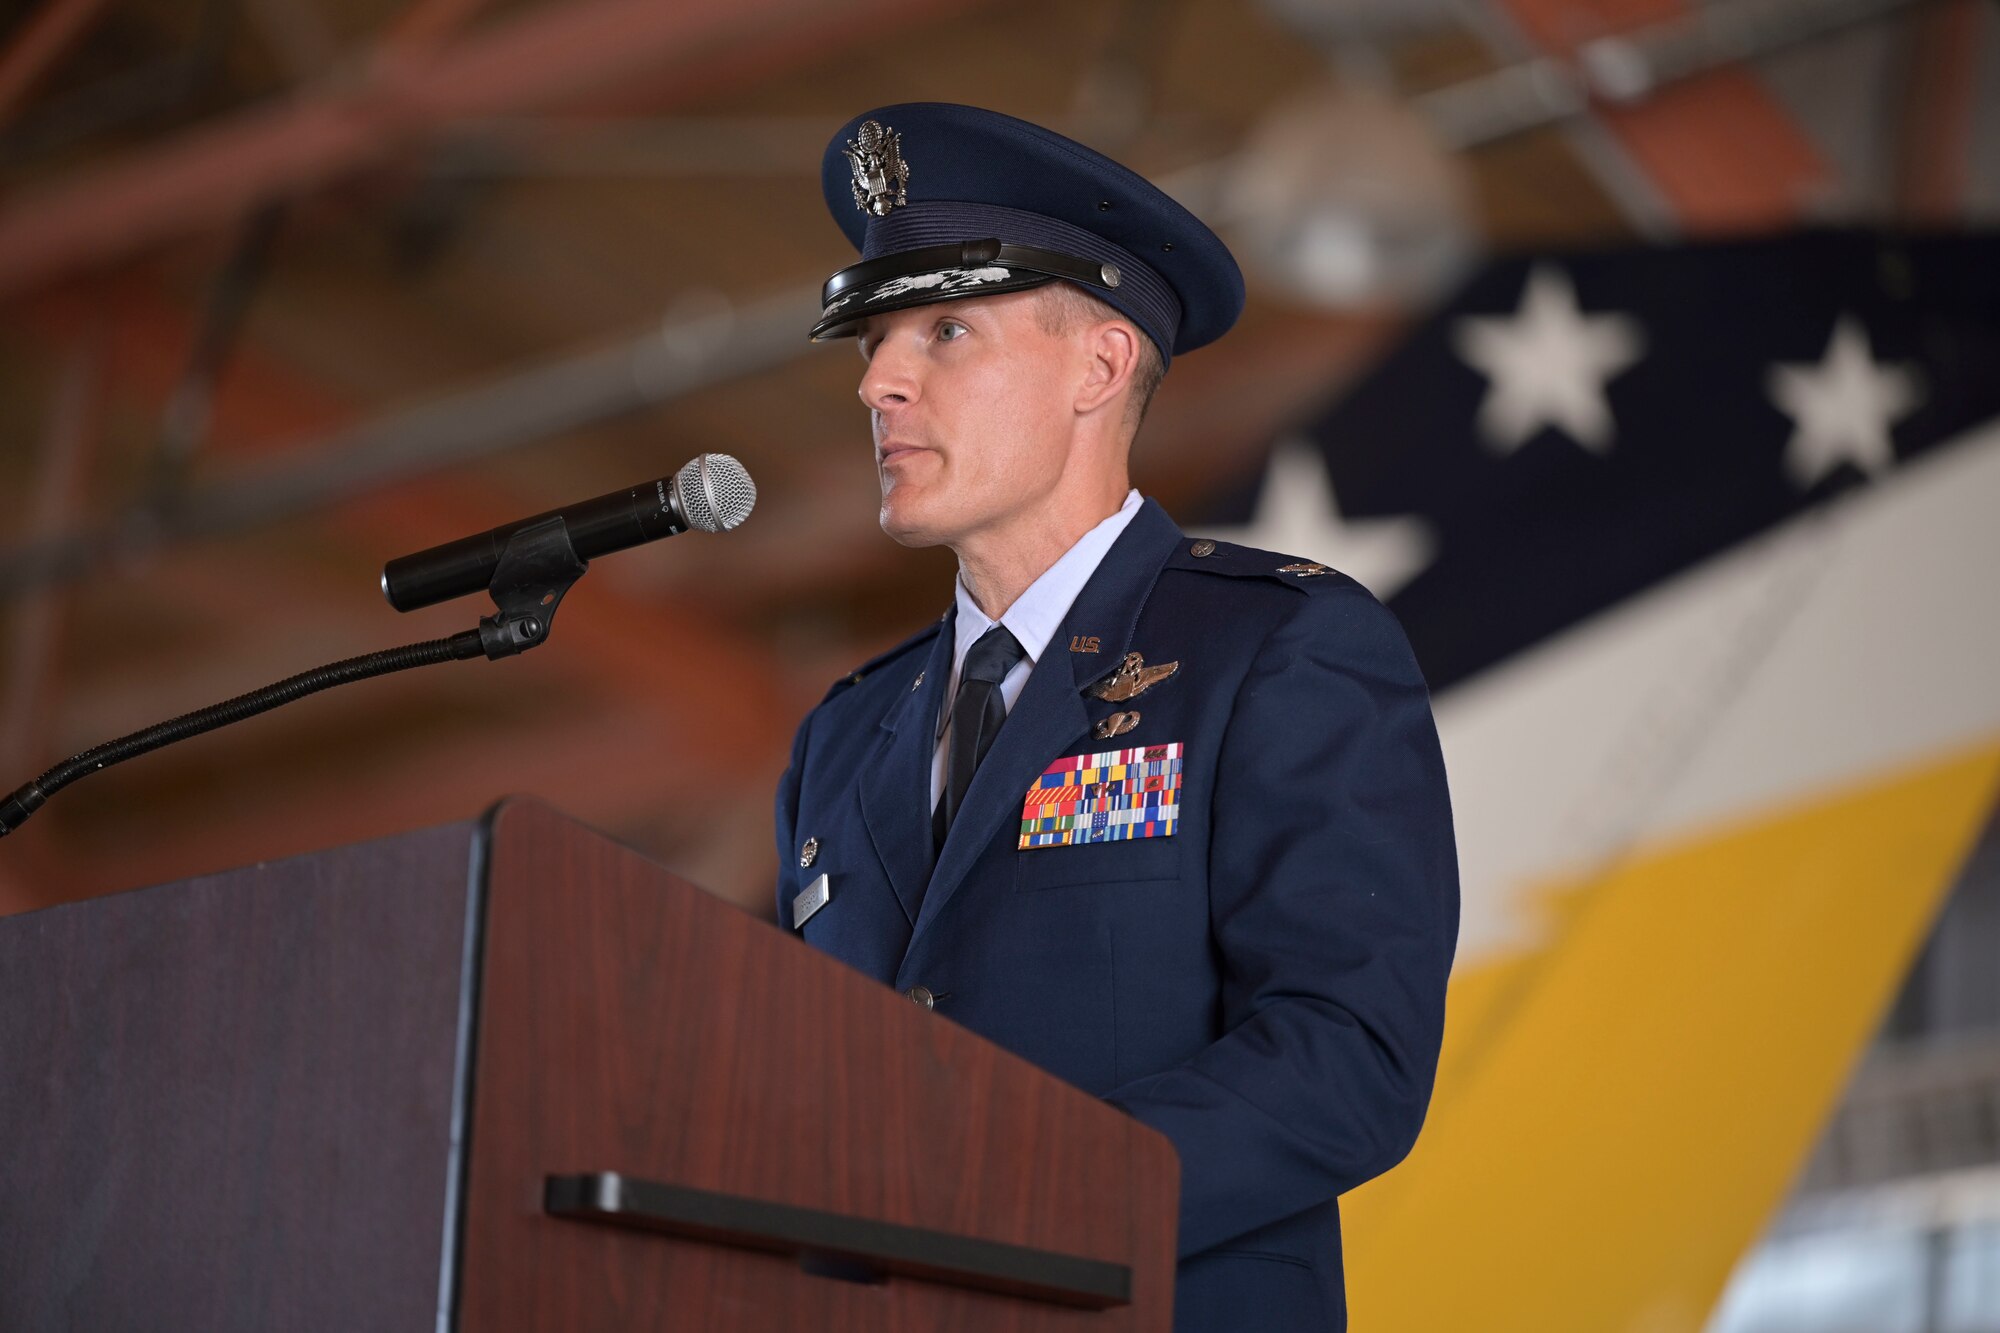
968 254
1141 294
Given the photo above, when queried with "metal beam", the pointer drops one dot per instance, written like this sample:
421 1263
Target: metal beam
608 632
1627 68
41 43
1682 135
296 34
36 623
426 24
185 423
550 56
538 404
1935 135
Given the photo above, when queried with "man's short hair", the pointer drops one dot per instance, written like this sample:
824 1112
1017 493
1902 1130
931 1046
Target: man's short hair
1061 306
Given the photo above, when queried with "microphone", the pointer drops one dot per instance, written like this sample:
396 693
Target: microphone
712 492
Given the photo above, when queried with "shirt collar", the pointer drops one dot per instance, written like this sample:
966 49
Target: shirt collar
1038 613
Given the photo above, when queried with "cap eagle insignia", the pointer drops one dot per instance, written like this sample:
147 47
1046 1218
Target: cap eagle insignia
880 173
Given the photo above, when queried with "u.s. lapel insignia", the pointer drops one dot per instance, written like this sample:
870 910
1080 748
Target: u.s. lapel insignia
1132 679
1305 569
880 173
1115 725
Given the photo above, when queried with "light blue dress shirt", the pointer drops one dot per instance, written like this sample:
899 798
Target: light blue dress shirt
1033 620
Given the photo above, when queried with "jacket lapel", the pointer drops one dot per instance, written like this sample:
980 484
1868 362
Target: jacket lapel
1051 714
896 786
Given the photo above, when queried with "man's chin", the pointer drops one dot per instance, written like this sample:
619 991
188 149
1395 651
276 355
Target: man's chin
907 525
905 533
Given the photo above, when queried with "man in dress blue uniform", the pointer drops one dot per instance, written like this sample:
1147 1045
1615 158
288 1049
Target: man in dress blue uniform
1166 817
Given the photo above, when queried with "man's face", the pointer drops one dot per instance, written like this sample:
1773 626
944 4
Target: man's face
971 404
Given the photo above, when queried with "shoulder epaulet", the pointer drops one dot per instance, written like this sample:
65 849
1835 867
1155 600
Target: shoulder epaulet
1206 556
884 658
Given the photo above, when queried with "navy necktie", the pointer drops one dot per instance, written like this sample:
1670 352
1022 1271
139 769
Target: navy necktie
976 714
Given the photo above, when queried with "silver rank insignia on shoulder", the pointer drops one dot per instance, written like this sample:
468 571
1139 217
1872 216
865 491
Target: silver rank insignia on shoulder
815 896
1115 725
880 173
1305 569
1132 679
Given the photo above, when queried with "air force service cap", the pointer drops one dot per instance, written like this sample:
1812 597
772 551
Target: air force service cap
945 201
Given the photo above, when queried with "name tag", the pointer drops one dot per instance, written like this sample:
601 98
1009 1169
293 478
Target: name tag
815 896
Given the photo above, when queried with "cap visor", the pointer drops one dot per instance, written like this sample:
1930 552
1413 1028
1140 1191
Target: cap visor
914 289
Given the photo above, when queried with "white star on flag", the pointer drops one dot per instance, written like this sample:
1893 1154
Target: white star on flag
1842 408
1547 364
1297 515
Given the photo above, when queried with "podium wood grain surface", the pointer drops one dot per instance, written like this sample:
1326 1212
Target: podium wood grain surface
669 1036
230 1103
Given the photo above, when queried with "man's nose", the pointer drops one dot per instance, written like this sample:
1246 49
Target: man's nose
890 379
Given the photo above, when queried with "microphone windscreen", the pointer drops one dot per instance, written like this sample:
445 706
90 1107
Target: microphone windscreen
715 492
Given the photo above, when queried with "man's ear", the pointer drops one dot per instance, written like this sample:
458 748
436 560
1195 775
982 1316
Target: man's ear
1113 351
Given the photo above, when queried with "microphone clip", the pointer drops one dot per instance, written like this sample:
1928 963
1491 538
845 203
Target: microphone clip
537 566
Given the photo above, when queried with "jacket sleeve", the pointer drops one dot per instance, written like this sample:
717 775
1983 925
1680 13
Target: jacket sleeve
1333 903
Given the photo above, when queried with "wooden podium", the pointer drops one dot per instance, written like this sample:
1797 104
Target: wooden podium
507 1074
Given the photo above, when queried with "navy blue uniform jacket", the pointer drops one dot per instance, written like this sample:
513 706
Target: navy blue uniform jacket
1266 985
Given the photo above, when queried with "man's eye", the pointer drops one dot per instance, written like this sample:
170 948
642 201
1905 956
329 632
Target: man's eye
945 327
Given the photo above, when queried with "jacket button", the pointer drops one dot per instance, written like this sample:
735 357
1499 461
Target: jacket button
1202 548
922 995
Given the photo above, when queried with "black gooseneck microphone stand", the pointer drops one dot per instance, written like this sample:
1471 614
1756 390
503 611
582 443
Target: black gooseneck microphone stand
537 566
